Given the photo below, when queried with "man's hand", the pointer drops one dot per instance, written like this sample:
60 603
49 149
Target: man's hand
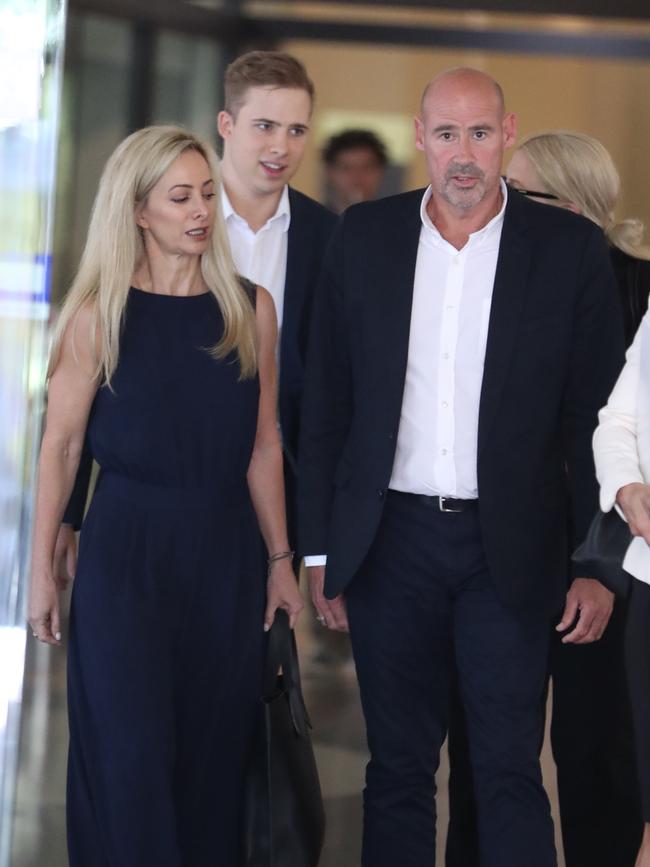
594 603
332 611
64 564
634 501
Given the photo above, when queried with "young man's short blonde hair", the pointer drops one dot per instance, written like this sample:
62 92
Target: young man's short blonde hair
263 69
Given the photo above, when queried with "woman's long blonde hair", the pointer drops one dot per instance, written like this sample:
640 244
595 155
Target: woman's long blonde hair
579 169
114 248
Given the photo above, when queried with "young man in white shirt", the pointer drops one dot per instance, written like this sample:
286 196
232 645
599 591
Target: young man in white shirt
277 235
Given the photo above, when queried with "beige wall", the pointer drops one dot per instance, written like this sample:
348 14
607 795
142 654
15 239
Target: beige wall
607 99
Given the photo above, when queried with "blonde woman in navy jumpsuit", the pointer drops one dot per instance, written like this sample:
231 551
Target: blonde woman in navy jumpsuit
167 359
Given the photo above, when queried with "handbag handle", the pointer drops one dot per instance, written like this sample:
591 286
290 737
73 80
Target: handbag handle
282 652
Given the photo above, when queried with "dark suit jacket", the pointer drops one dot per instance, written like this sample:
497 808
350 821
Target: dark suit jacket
554 350
633 278
310 229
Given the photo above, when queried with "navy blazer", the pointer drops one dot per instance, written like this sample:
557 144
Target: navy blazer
554 350
310 230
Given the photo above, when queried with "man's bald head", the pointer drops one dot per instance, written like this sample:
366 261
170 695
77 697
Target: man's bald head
461 78
463 130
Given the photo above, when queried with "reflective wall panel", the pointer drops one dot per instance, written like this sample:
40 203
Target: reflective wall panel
31 46
187 83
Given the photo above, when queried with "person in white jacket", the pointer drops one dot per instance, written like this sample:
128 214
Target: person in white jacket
598 793
622 456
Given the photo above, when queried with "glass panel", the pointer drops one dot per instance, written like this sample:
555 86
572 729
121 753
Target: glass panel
31 44
94 118
187 83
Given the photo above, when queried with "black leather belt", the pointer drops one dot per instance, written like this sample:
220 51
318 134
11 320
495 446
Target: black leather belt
440 504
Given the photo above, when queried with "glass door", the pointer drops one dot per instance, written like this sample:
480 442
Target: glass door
31 48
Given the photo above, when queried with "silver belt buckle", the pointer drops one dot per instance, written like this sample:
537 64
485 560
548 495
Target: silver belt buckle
443 508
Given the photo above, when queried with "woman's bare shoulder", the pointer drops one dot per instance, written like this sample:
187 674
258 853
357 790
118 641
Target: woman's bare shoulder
80 338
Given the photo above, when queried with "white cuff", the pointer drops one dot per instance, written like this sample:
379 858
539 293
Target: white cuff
316 560
613 484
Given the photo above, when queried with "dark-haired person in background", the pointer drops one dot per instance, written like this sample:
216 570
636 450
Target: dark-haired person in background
355 165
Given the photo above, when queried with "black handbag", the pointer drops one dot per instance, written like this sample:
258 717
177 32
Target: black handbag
284 818
602 553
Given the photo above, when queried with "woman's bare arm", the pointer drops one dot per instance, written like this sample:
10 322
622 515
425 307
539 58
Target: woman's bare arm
71 392
265 471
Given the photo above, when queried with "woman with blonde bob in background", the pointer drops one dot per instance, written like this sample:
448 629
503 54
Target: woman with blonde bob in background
602 807
575 171
166 359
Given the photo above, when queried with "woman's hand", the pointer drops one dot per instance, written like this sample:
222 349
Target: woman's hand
634 501
282 592
44 613
65 556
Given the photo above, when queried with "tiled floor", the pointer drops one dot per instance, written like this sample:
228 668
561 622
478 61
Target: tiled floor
332 698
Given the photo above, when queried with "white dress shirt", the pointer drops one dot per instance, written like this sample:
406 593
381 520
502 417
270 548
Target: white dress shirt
261 256
436 451
452 296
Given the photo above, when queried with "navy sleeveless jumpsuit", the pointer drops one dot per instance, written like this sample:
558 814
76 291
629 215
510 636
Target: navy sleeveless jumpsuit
166 633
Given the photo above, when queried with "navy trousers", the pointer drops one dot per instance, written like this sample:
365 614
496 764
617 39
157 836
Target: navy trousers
423 594
637 658
592 737
593 746
164 677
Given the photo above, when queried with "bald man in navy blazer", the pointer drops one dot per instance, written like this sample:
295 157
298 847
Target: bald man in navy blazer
463 341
